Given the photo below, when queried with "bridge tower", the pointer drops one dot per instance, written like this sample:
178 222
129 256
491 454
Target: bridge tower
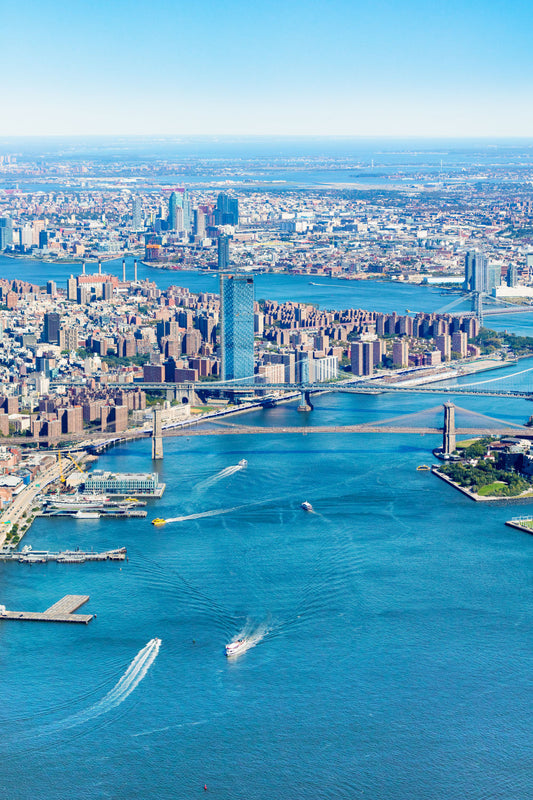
305 402
448 438
157 435
478 306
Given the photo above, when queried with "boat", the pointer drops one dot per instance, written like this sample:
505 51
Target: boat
243 462
86 515
306 506
77 502
158 521
233 648
423 468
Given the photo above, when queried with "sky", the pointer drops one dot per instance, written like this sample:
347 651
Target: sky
215 67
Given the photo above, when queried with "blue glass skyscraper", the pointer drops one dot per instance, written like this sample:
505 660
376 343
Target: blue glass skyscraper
237 327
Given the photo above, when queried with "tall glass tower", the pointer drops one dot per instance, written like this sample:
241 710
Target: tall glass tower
237 327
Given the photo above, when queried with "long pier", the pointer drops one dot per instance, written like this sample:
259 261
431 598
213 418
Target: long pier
62 611
29 556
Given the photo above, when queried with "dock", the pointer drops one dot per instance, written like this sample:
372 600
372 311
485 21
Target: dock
29 556
521 524
62 611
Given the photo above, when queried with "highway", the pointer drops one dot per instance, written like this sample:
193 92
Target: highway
25 500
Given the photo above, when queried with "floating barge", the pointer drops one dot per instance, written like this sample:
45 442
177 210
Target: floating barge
29 556
62 611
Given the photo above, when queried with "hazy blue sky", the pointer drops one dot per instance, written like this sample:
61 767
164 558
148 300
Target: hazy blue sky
407 67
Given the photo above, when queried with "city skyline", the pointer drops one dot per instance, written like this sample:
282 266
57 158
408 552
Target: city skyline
330 69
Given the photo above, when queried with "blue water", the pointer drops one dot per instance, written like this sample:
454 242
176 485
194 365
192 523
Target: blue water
393 654
327 293
392 627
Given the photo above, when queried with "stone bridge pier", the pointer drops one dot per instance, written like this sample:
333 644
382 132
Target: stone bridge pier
183 394
305 401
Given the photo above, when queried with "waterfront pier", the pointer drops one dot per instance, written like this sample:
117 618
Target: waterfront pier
62 611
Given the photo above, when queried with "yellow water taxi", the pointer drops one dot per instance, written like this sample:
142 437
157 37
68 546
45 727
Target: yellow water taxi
158 521
423 468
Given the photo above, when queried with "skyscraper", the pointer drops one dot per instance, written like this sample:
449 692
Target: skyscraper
237 327
6 232
51 328
199 223
227 212
172 211
187 212
136 214
480 274
223 252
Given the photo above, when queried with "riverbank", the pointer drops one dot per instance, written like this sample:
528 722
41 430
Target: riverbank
527 495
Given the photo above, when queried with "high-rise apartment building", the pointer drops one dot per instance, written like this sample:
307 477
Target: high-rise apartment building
460 343
6 232
444 345
400 353
237 327
136 214
72 288
172 218
480 274
223 252
362 357
51 328
199 223
227 210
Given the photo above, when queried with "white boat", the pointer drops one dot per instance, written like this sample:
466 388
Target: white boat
75 502
306 506
243 462
86 515
233 648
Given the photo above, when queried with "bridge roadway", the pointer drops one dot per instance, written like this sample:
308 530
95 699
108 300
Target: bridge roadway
360 387
238 430
82 442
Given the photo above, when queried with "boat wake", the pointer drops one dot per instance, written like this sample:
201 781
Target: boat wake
251 635
224 473
125 686
214 513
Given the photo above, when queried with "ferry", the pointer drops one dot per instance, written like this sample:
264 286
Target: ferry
233 648
243 463
158 522
423 468
306 506
86 515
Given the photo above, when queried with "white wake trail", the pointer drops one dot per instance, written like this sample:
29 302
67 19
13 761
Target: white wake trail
251 635
125 686
214 513
224 473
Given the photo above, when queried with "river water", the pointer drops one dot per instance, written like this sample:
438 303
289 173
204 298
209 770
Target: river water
391 635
